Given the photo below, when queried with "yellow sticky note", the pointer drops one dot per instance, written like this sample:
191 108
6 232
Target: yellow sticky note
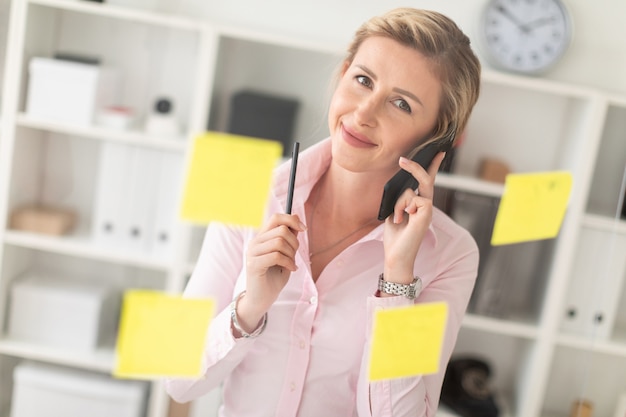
532 207
229 179
407 341
161 335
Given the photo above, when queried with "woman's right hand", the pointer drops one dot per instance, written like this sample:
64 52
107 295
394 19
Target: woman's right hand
270 259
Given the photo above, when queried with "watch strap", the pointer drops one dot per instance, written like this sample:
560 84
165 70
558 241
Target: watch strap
237 326
409 291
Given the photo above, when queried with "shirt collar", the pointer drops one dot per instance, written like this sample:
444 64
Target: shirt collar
314 161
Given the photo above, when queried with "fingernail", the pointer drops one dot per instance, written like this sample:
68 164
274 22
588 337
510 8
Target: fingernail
302 226
403 160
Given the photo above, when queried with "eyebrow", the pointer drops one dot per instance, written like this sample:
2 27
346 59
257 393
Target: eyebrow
396 89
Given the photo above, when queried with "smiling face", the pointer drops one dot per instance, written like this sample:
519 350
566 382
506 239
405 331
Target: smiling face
386 102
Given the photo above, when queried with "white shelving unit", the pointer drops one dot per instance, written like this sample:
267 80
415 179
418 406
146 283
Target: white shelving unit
158 55
542 360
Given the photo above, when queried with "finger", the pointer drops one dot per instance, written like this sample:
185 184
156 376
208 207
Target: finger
286 233
401 205
278 231
292 221
436 164
426 179
277 244
271 260
417 171
409 203
419 206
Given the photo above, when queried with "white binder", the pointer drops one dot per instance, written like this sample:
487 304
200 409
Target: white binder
139 209
166 203
592 299
110 190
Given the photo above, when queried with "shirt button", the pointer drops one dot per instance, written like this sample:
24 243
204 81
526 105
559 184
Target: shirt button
313 300
302 344
340 263
292 387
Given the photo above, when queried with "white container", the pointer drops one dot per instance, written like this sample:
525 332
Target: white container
63 313
162 121
52 391
69 92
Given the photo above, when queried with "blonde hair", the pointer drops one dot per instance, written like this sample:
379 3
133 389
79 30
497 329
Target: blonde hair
439 39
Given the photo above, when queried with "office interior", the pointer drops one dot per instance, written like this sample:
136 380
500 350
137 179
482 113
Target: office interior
547 317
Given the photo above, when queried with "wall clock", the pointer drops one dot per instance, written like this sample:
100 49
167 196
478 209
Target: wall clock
525 36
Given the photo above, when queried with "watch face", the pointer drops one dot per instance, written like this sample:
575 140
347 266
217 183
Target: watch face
526 36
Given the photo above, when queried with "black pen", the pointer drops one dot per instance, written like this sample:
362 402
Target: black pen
292 176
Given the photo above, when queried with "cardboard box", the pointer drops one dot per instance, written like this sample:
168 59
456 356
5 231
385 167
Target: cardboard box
63 313
69 92
46 220
53 391
178 409
493 170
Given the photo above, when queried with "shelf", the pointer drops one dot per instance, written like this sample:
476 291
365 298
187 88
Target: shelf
605 223
608 347
241 33
82 246
618 100
469 184
124 13
501 327
541 85
101 133
101 360
444 411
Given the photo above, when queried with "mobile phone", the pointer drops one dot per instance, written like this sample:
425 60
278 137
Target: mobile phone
403 179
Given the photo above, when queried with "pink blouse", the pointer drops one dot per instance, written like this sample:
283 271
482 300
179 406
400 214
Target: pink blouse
312 358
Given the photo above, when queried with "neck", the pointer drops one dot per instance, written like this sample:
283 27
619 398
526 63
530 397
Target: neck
344 206
350 197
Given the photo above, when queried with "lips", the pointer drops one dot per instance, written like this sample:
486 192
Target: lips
355 139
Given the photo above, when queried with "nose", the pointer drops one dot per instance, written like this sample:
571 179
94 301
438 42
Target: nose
366 111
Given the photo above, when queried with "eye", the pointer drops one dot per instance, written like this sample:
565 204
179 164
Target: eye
364 80
402 105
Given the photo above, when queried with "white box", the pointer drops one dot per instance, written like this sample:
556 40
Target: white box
63 313
52 391
69 92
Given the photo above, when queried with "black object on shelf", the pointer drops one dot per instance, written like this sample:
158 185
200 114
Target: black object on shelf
466 389
163 106
263 116
79 58
624 207
511 278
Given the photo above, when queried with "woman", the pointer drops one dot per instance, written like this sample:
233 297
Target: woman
295 340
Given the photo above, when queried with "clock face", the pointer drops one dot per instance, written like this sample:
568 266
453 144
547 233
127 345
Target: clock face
526 36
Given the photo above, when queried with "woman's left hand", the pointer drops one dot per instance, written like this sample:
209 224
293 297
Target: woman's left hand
406 226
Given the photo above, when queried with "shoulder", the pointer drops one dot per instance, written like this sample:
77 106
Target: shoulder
223 235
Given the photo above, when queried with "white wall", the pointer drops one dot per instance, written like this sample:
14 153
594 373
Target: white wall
596 58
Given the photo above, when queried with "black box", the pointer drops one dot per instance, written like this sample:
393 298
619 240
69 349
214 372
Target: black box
511 278
263 116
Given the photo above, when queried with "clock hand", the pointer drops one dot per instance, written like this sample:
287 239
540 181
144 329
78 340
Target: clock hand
539 22
512 18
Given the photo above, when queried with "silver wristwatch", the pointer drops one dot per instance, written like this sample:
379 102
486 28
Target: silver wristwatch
410 291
